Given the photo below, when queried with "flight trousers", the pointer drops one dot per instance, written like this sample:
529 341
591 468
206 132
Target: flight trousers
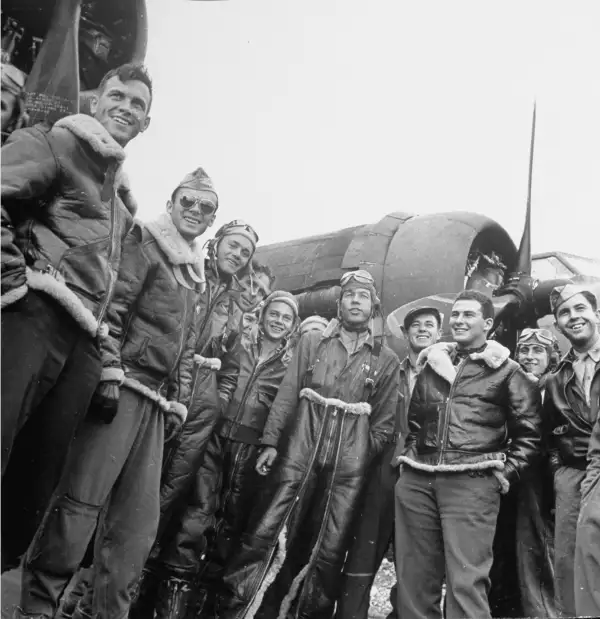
50 370
445 526
373 533
587 554
112 482
567 491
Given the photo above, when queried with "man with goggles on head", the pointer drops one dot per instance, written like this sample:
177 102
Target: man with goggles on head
570 411
538 354
113 475
333 414
218 320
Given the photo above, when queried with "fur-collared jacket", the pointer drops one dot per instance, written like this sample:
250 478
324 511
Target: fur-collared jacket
65 213
568 420
483 413
152 317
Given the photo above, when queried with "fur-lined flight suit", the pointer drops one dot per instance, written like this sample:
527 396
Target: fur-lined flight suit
112 477
65 213
333 414
373 529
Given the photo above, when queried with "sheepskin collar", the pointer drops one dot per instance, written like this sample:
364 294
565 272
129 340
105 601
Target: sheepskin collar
176 248
439 358
87 128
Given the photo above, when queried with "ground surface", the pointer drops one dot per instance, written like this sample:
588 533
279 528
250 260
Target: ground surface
380 594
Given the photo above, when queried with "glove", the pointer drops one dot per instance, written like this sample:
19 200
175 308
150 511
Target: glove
173 423
105 401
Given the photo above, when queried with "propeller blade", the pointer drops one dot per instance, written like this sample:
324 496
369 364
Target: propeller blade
524 255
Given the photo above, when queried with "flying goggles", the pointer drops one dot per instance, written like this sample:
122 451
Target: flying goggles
543 336
361 277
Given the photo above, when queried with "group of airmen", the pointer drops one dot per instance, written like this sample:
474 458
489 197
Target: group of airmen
177 443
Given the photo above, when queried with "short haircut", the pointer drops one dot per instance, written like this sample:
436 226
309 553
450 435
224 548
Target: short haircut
487 307
258 268
591 299
129 72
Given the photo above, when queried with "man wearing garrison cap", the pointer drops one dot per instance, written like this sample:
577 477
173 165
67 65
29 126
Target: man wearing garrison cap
113 476
570 412
218 317
333 414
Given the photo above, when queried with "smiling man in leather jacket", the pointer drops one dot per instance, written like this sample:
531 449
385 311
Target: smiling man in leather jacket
226 484
333 414
474 421
65 214
568 421
112 477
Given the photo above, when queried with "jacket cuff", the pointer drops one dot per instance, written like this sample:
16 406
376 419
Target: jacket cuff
112 374
12 296
178 409
212 363
504 483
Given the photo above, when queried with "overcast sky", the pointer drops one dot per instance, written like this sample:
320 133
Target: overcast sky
316 115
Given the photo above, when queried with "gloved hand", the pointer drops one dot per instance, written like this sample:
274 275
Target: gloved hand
105 401
173 423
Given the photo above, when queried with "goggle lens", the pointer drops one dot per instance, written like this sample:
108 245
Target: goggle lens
359 277
543 335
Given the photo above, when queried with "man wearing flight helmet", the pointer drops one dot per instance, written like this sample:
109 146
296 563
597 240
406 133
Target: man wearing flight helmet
227 483
218 317
538 354
333 414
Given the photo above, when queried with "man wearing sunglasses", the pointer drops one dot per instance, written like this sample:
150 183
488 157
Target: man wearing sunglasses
217 321
333 414
570 411
112 478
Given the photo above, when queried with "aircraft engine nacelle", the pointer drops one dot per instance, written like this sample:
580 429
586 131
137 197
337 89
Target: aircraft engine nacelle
111 33
410 257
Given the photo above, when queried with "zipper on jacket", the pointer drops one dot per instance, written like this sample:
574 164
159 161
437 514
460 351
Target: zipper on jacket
267 564
446 423
111 252
251 381
302 592
210 306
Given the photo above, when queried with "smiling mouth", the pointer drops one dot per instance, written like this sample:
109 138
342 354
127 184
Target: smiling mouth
192 220
122 121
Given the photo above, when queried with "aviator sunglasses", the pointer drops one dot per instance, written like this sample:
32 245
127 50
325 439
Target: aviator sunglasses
207 207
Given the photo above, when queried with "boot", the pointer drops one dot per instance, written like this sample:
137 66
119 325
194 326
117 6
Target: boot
145 597
71 599
174 598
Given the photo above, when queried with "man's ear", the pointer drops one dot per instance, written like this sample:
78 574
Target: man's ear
211 220
489 323
169 206
146 124
404 331
93 104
